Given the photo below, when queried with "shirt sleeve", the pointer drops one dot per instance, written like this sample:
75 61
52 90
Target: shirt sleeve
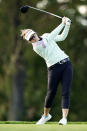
55 32
63 35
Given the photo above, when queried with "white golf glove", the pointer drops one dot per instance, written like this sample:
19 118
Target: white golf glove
68 21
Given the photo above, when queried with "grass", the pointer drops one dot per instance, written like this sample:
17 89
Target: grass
50 126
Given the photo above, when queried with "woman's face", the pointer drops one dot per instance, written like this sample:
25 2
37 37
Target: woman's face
34 38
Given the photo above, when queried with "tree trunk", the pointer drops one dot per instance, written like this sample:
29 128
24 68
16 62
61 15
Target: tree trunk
17 101
17 70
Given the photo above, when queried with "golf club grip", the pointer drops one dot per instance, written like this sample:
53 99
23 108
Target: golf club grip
45 12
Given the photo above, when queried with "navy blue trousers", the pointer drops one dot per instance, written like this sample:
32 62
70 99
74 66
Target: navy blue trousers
59 73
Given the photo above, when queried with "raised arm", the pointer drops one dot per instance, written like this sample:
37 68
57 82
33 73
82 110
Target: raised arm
55 32
65 32
63 35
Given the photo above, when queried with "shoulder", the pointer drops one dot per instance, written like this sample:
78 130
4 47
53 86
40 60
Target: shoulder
45 35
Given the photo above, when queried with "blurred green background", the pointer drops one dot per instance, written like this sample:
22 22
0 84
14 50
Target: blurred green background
23 74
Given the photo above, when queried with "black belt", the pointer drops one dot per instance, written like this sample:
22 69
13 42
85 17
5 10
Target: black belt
63 61
60 62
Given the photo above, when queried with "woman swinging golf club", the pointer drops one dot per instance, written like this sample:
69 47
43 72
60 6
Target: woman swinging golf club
58 65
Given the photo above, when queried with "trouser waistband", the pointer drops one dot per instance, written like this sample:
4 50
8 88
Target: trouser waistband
64 60
60 62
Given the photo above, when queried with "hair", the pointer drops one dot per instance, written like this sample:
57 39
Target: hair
23 32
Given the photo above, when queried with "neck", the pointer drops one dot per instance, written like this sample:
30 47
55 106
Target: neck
40 38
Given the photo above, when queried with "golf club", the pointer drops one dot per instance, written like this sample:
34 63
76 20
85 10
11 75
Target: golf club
25 8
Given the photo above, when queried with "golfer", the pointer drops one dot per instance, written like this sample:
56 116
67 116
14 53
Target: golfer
58 65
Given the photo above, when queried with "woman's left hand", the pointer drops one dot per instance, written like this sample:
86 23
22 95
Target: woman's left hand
64 19
68 21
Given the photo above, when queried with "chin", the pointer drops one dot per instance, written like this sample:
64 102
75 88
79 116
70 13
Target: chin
33 41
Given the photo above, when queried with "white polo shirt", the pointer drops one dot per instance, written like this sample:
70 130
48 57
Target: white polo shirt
48 49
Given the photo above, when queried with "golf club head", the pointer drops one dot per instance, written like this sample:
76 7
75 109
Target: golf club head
24 9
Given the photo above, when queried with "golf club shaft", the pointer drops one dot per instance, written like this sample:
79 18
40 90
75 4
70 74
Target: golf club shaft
45 12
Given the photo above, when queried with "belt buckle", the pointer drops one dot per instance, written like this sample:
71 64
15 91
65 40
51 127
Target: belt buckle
60 62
